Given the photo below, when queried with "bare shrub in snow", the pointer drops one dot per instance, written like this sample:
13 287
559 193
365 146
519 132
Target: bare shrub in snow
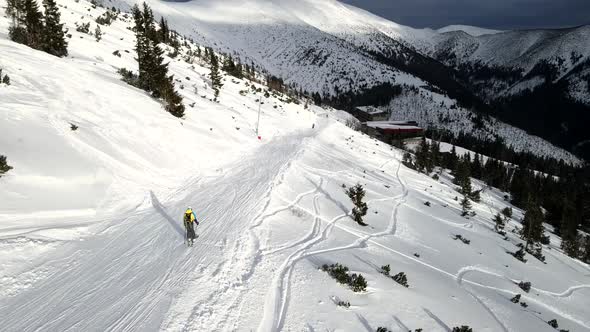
353 123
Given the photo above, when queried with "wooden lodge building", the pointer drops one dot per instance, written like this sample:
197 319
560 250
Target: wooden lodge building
369 113
375 124
389 131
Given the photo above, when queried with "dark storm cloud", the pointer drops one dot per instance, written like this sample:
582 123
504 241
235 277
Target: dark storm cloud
498 14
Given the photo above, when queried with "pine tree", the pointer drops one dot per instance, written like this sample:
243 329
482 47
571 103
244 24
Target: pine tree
356 194
54 41
452 159
532 230
507 212
585 252
15 10
569 232
462 178
27 22
153 72
423 158
173 99
33 22
215 75
465 206
520 187
164 32
140 46
476 167
500 223
230 67
98 33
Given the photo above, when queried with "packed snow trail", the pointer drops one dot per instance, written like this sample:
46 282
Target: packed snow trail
135 273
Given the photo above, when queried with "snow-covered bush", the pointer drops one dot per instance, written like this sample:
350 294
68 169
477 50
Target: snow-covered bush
4 167
340 272
129 77
353 124
356 194
401 279
460 237
463 328
98 33
4 79
358 283
107 18
507 212
519 254
525 286
83 28
344 304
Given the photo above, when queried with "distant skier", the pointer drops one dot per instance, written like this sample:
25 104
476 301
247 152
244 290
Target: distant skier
189 224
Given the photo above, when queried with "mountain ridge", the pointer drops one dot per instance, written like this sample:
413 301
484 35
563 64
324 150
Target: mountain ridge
331 48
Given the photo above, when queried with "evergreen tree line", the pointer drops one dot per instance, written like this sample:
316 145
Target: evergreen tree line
153 72
498 149
566 200
41 31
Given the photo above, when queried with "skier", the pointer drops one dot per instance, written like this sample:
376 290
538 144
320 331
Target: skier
189 220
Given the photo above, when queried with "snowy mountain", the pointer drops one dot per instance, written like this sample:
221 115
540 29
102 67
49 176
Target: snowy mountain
539 74
334 49
330 48
470 30
91 234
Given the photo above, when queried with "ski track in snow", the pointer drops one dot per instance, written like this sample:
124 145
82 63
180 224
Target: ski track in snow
400 324
165 267
236 270
471 269
275 306
437 320
129 270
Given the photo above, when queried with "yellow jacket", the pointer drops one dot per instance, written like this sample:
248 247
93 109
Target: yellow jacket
191 214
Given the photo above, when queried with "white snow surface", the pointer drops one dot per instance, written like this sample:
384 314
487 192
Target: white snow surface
91 237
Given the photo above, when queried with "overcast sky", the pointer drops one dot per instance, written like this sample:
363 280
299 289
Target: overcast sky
497 14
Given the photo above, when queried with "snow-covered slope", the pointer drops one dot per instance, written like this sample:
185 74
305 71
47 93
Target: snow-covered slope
517 49
321 46
90 220
437 111
471 30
